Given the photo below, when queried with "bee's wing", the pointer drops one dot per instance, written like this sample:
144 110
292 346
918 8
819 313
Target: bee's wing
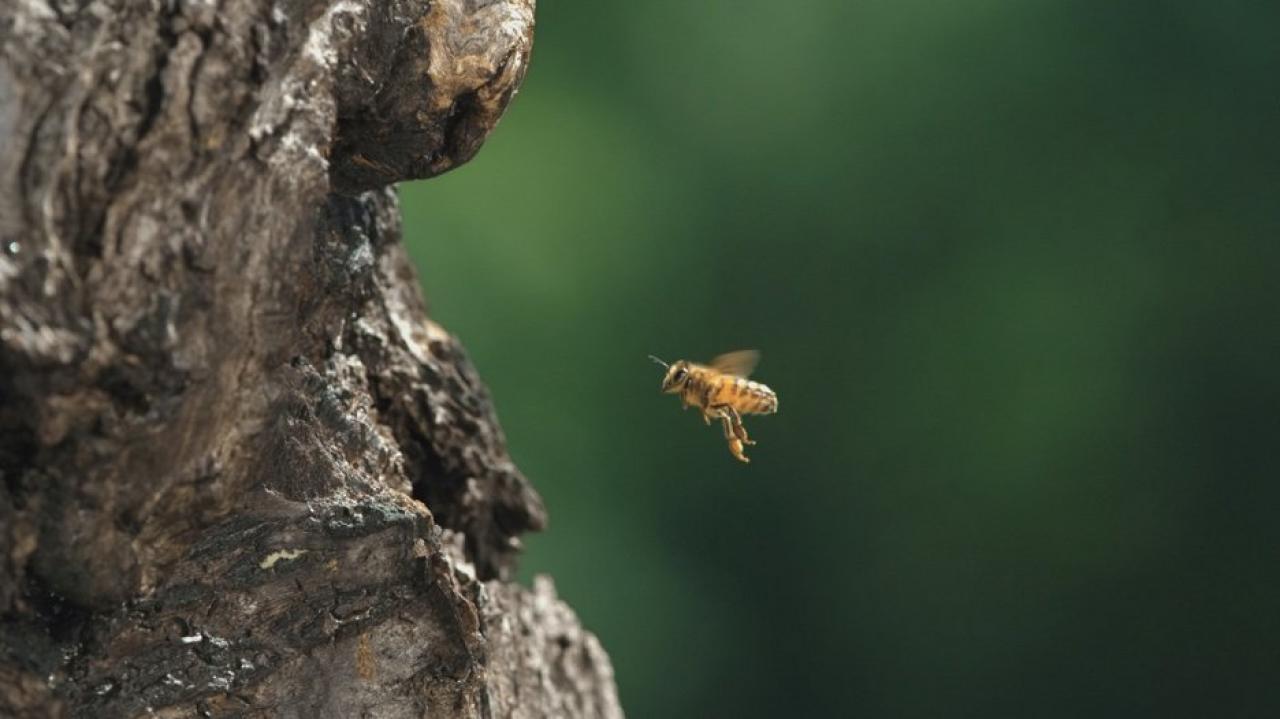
738 363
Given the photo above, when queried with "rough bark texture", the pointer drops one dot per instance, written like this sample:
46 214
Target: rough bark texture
243 473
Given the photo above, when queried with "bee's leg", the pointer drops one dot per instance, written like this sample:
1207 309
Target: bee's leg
739 429
731 432
725 421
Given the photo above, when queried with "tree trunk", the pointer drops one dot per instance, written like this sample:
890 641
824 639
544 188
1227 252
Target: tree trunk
243 473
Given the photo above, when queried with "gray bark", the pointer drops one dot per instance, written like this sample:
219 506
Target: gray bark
243 473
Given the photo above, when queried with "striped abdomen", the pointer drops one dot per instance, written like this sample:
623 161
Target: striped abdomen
744 395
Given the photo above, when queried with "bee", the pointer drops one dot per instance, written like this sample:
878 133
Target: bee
722 391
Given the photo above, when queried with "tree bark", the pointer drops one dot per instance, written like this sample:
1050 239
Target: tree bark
243 473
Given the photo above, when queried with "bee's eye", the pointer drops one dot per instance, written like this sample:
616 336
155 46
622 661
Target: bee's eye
679 375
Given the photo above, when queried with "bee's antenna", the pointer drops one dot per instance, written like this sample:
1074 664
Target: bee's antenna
655 359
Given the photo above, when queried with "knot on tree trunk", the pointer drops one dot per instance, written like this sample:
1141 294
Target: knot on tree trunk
452 71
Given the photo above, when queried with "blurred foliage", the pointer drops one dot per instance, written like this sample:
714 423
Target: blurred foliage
1013 269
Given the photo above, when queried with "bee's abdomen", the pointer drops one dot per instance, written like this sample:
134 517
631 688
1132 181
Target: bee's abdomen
748 397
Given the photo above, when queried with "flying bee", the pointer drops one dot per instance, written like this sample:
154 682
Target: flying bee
722 391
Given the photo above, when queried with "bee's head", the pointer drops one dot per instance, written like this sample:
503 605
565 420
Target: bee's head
677 375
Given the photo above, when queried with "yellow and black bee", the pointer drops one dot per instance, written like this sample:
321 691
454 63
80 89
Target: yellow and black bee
721 390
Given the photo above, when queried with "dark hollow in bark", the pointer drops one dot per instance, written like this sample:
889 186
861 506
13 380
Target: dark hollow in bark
243 474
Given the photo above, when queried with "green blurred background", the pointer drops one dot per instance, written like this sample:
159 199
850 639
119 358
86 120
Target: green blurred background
1013 269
